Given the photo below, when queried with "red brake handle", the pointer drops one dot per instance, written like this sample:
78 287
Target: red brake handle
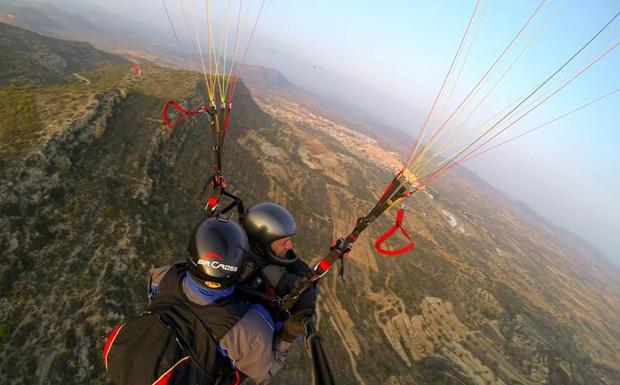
398 225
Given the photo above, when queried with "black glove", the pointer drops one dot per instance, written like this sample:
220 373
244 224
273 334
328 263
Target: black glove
295 326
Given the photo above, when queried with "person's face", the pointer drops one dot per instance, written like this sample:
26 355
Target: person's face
281 246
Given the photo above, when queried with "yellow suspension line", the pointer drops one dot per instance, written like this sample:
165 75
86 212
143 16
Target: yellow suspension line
212 52
544 124
199 45
439 131
236 48
223 49
467 53
527 46
548 95
454 132
420 138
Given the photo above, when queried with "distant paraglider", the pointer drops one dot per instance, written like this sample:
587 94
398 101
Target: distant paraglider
136 70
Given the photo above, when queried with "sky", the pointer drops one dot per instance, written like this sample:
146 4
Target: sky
390 59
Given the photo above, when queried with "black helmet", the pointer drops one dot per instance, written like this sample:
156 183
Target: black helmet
267 222
217 249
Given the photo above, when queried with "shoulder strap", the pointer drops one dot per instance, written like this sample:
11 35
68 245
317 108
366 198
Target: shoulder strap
183 344
170 281
169 284
162 311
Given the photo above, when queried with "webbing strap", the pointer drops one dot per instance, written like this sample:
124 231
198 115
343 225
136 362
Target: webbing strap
397 225
227 117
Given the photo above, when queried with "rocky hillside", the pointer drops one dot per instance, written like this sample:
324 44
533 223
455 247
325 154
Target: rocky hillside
95 191
86 21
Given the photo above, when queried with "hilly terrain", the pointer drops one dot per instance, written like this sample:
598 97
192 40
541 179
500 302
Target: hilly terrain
29 58
85 21
265 80
95 191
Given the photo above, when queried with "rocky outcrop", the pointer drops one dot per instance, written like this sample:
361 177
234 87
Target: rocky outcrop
43 172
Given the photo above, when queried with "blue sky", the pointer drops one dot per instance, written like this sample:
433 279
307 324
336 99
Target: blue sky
390 58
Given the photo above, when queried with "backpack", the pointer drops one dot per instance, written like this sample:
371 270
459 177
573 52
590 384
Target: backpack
173 343
147 350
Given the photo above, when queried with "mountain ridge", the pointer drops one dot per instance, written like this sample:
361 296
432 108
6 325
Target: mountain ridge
85 21
50 61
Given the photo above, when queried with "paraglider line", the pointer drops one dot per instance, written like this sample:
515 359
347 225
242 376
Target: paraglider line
176 37
445 80
542 125
536 90
245 53
471 92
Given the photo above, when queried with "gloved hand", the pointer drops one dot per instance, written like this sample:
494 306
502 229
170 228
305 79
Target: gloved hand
294 326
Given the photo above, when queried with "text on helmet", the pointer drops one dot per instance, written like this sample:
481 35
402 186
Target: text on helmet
206 260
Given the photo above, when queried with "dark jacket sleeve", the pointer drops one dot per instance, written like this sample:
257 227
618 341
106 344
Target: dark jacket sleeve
283 280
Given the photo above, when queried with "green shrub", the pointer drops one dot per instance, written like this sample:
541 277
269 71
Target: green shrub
5 333
64 165
19 119
108 212
76 209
